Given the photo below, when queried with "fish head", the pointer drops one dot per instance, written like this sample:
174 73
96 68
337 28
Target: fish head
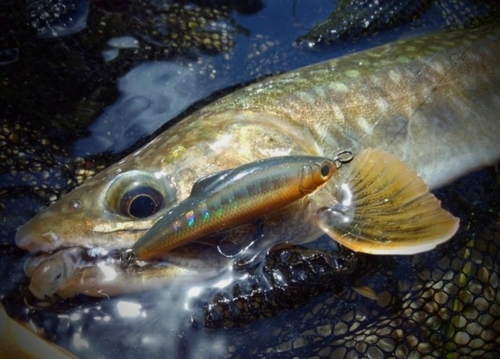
112 210
109 211
116 207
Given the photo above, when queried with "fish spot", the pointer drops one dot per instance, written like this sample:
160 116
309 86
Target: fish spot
403 59
382 104
50 237
365 125
339 87
352 73
437 67
339 114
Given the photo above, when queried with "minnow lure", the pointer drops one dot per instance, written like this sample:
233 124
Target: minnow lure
230 198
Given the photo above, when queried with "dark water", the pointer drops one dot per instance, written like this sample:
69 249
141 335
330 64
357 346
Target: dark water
83 84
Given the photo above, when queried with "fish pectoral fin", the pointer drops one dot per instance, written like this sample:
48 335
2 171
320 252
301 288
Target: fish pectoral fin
385 208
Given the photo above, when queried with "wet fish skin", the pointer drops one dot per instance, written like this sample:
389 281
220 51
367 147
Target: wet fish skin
230 198
432 101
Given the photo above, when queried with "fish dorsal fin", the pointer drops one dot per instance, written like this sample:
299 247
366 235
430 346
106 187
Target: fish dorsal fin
209 182
385 208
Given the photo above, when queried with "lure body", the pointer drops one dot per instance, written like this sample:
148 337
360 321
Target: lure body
233 197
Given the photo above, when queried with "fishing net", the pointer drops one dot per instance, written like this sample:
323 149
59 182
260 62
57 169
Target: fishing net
443 303
305 303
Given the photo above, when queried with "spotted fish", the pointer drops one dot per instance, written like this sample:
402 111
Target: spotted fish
432 102
382 208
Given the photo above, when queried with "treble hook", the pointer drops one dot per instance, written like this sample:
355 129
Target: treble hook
127 257
342 157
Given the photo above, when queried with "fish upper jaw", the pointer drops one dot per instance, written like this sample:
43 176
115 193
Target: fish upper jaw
56 228
32 238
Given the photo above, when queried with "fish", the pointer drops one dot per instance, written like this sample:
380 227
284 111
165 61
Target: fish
49 275
387 206
430 101
230 198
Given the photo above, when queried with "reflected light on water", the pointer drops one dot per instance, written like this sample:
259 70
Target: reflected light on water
226 281
193 292
223 283
128 309
347 200
75 316
109 272
80 343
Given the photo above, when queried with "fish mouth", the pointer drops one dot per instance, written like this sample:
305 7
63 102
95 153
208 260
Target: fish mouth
68 272
48 241
88 256
35 237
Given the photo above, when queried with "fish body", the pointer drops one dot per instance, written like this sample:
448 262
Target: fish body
431 101
382 207
230 198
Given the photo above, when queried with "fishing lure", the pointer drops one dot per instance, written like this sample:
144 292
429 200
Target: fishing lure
230 198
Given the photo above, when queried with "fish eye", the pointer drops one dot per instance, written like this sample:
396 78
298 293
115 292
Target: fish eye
139 194
141 202
325 169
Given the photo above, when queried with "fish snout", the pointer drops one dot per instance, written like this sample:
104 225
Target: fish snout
35 236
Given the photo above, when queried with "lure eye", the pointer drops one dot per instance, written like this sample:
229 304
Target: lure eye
139 194
141 202
325 169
